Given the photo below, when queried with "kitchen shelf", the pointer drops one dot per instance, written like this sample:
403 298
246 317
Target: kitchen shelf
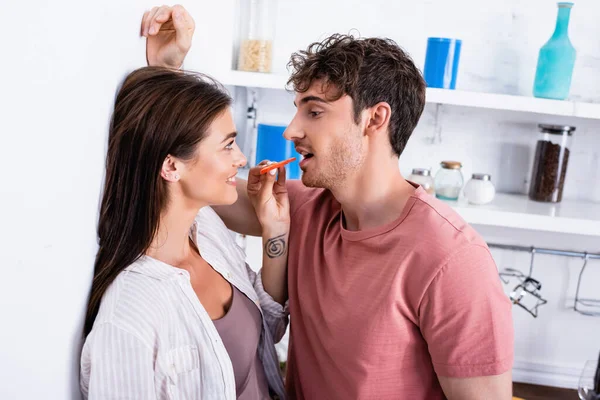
253 79
518 212
514 103
441 96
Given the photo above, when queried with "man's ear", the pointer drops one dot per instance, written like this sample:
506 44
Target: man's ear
169 170
378 118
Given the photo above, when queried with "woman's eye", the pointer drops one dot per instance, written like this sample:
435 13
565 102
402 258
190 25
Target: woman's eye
315 113
230 145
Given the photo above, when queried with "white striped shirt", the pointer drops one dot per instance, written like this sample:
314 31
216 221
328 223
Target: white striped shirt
152 339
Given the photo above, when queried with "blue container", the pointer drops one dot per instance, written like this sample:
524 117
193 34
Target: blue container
441 62
556 60
272 146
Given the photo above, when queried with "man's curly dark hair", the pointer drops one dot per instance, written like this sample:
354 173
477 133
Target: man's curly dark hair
369 70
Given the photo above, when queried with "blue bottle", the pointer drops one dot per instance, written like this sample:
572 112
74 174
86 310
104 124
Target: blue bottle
556 60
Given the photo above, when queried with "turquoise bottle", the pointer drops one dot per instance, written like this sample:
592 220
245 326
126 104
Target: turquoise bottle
556 60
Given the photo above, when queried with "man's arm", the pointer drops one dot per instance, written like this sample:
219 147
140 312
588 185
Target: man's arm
240 216
269 197
497 387
466 320
165 49
168 32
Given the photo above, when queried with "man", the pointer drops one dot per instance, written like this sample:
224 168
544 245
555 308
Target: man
391 294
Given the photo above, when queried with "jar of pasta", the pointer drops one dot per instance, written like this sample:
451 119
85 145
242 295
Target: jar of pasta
257 23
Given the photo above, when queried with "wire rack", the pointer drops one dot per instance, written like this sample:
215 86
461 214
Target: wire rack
583 305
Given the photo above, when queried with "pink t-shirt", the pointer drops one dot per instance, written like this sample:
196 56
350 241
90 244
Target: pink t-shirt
377 313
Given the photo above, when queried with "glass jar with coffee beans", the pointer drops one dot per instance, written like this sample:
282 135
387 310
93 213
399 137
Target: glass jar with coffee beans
550 163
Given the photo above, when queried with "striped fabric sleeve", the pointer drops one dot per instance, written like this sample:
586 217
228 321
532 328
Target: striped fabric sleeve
121 366
276 315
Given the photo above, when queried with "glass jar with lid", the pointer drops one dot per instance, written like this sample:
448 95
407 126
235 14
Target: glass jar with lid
422 176
550 163
480 189
449 180
257 23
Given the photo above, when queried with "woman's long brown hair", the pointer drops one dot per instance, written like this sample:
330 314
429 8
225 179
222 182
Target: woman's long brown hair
158 112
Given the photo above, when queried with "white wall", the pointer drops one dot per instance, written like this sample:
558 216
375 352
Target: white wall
499 55
60 71
61 64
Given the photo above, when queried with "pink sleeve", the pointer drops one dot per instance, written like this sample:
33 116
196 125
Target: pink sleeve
466 318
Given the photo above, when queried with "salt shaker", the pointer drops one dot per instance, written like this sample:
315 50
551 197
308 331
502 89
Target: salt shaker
480 189
422 176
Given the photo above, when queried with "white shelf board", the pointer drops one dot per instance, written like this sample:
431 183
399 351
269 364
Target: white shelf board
517 211
253 79
513 103
442 96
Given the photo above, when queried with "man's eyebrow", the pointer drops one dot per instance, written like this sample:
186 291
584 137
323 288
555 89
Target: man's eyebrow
306 99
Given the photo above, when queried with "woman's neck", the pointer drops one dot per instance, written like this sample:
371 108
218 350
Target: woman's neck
171 243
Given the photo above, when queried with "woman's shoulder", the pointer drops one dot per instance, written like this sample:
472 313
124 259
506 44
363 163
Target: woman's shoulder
139 297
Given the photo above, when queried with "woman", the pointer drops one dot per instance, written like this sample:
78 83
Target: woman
174 309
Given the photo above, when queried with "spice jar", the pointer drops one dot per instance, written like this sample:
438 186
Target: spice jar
422 176
480 189
550 163
449 180
256 42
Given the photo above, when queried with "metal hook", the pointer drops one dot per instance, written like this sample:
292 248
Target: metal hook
253 107
585 261
528 288
251 125
595 303
436 138
532 260
511 272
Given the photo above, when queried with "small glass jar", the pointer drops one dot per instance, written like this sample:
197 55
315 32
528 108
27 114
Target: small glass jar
449 180
480 189
550 163
257 33
422 176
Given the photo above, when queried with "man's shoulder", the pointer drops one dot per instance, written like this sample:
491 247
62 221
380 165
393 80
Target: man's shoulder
440 222
433 234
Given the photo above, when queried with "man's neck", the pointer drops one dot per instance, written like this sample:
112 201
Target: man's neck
374 195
